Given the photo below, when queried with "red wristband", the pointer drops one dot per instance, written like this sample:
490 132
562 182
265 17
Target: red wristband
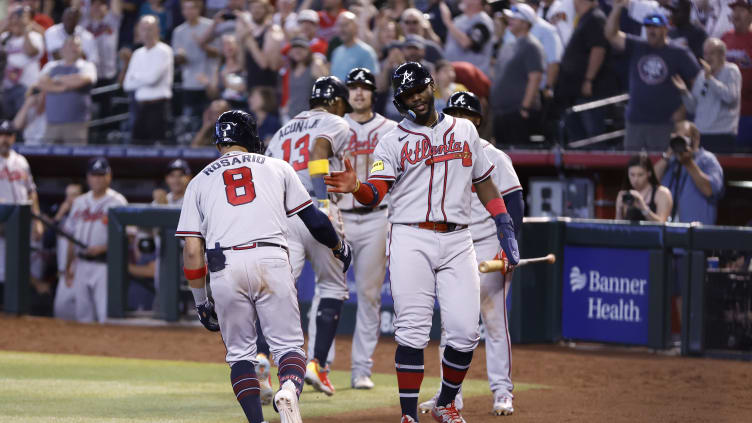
192 274
496 207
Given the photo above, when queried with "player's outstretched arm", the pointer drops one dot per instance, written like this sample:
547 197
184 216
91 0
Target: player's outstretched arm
367 193
489 196
195 272
321 228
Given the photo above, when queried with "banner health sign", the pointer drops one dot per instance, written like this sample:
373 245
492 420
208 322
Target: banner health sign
605 295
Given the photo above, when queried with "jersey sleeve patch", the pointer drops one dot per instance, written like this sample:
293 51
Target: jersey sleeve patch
377 165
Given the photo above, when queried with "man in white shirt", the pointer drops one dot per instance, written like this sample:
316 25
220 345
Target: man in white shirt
149 75
55 36
23 47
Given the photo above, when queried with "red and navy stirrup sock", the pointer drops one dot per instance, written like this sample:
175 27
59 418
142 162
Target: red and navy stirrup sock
327 320
409 364
246 387
292 367
454 366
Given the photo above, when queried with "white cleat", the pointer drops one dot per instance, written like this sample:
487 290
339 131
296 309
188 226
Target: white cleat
263 373
362 382
286 402
503 404
447 414
425 407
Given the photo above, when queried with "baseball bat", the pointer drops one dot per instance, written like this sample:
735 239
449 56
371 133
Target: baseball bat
59 231
497 265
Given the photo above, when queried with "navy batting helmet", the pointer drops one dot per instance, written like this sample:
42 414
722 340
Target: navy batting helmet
464 101
407 77
361 76
328 88
238 127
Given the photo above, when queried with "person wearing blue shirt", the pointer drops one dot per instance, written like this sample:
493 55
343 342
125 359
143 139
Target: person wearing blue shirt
353 53
653 99
693 175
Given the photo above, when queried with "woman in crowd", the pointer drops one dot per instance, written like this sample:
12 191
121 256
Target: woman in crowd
263 105
228 82
642 197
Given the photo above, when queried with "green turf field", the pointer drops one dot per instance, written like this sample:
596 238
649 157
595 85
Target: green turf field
71 388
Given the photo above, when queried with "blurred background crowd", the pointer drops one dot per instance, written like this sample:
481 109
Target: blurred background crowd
606 74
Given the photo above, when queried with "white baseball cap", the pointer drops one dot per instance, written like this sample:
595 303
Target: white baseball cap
523 12
308 15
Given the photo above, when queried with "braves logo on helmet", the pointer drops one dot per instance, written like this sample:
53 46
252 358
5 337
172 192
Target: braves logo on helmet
407 77
361 76
227 128
464 101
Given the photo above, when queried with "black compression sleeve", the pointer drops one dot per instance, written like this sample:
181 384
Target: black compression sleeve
516 209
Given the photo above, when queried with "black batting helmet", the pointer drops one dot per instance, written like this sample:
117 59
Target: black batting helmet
329 88
238 127
406 77
361 76
464 101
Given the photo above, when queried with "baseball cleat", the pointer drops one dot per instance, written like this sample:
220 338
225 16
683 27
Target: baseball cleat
447 414
426 406
317 376
362 382
286 403
407 419
503 404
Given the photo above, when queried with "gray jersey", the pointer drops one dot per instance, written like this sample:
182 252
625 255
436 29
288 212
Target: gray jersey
480 29
16 183
506 181
249 198
432 170
363 140
87 221
294 142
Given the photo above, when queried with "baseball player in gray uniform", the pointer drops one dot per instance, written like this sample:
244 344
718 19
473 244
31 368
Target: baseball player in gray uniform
86 268
428 164
313 142
365 227
238 206
494 287
64 305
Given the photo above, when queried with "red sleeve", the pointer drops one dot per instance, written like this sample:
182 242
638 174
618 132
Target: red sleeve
372 192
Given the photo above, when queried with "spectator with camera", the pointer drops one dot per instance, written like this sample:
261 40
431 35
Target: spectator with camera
67 84
22 48
642 197
693 175
654 101
714 99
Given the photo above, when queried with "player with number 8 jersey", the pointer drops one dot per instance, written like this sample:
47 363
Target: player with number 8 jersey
313 142
238 207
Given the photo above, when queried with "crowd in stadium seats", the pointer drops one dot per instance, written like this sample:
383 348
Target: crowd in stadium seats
156 72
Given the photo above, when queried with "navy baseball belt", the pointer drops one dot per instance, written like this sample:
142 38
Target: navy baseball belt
253 245
439 226
364 210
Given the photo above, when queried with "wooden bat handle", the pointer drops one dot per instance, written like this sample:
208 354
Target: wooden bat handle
492 266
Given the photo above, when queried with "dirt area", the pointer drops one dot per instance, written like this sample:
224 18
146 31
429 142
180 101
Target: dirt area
592 385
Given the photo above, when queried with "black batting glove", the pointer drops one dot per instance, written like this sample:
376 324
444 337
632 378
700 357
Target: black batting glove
344 254
208 316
